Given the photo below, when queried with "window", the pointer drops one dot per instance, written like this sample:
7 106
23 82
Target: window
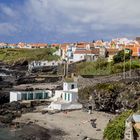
30 96
68 97
24 96
72 86
39 96
45 95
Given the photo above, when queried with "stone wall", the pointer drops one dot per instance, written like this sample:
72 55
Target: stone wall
83 82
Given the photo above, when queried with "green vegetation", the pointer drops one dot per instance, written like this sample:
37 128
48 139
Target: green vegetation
102 67
86 92
108 86
14 55
115 128
122 55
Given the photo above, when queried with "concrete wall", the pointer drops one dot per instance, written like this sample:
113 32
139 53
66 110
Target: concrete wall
64 106
71 97
58 95
74 97
67 86
128 134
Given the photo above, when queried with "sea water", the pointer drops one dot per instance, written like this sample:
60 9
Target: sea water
7 134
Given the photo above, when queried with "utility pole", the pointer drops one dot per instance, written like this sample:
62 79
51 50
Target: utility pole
124 64
130 75
64 69
67 66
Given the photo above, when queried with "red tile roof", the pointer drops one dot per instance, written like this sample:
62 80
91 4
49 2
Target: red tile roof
64 46
12 45
99 43
38 44
112 51
82 44
95 51
55 45
135 49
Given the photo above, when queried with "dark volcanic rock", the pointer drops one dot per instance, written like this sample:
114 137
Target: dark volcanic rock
7 117
9 111
38 79
114 96
12 106
4 98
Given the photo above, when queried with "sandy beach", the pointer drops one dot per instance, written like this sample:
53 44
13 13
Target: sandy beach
75 124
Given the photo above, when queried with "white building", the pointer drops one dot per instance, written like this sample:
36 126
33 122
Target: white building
66 99
30 95
57 52
38 64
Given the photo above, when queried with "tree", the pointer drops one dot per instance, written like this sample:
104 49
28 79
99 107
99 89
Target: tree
122 55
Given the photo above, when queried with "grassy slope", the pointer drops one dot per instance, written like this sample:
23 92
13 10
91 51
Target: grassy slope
104 68
13 55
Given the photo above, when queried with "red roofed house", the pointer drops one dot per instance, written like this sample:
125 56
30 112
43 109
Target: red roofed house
111 52
135 49
38 45
23 45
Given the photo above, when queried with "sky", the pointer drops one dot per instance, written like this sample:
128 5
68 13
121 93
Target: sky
59 21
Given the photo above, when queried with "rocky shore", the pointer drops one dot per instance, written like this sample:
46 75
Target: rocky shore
73 125
106 93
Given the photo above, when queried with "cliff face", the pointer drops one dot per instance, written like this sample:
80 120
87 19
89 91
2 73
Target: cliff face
113 96
122 95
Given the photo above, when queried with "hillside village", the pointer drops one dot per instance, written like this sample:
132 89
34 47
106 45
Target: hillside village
74 52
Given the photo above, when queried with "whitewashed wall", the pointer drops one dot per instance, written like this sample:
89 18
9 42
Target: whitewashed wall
15 96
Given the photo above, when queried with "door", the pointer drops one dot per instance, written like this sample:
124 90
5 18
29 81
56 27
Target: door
68 97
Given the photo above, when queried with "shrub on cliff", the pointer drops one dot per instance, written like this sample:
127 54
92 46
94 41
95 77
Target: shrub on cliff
115 128
85 93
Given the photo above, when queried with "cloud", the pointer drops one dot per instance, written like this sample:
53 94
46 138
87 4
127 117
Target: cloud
103 11
7 28
71 15
68 18
8 11
70 29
